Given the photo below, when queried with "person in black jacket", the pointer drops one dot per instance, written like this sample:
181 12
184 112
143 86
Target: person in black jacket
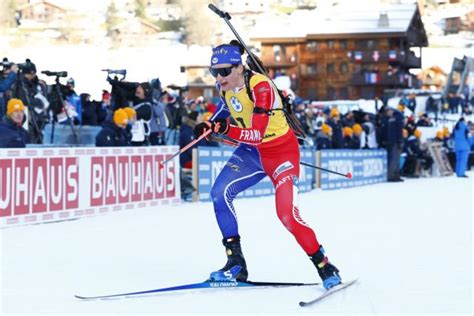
113 133
391 138
323 138
12 133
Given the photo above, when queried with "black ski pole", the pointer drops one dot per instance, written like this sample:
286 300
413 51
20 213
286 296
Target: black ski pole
226 16
347 175
235 144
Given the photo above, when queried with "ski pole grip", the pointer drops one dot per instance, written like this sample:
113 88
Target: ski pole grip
217 11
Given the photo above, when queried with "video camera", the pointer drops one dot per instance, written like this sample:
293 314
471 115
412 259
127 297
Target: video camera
60 74
27 66
122 91
180 89
122 72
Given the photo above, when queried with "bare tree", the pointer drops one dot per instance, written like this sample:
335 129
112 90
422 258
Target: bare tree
200 26
7 13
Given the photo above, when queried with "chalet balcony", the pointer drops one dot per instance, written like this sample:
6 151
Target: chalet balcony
376 79
285 62
391 56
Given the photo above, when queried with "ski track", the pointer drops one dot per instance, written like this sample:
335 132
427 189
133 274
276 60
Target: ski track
409 244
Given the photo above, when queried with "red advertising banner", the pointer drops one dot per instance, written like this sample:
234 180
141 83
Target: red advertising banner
41 185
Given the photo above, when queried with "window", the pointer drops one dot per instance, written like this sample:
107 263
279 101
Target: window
312 93
367 44
312 46
330 68
312 69
344 93
371 44
330 44
279 53
343 67
343 44
330 93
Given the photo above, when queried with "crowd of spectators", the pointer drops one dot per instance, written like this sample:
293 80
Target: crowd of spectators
141 114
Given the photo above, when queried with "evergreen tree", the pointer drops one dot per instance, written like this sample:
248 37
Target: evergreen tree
112 19
140 7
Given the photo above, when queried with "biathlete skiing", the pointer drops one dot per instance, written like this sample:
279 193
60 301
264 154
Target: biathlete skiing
267 147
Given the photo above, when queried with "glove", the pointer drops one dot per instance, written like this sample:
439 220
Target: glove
201 128
219 126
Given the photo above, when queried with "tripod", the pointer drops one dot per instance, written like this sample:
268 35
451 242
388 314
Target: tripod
21 93
59 104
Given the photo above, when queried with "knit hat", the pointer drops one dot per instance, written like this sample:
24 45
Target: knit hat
326 129
357 129
334 112
348 131
120 117
15 105
130 112
417 133
446 132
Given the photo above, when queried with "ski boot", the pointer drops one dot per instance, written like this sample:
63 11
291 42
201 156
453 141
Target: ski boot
327 271
235 268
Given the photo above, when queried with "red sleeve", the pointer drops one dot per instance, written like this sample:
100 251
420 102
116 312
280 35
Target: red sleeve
263 96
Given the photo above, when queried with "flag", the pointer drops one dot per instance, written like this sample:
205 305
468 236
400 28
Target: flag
392 55
376 55
358 56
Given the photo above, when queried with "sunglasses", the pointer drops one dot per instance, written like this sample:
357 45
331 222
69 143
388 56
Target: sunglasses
224 72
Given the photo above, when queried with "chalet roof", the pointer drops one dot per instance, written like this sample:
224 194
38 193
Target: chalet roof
45 3
353 18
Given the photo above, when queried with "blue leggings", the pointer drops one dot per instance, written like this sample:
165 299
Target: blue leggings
242 171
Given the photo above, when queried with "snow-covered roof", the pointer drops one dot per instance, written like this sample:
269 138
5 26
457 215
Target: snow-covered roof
349 18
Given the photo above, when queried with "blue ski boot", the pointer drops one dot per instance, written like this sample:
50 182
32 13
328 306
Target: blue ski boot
235 268
327 271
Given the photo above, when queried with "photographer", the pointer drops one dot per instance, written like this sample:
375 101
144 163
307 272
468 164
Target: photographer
143 107
74 101
32 92
7 79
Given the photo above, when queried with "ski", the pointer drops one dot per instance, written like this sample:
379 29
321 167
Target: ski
201 285
332 290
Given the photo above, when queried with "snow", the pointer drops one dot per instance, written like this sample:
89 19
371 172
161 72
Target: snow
409 244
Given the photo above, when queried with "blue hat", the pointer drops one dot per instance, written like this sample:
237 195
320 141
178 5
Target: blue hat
226 54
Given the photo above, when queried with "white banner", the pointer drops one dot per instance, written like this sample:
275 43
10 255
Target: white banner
52 184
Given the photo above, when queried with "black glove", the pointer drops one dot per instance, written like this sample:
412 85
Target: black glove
201 128
219 126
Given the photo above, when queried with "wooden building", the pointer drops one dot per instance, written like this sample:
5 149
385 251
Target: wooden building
135 30
345 52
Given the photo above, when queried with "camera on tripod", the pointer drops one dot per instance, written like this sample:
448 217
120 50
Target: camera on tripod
123 92
60 74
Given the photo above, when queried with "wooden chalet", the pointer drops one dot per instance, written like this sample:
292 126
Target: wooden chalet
42 13
345 52
138 31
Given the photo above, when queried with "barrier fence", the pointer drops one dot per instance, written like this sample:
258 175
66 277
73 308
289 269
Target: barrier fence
211 160
51 184
367 167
